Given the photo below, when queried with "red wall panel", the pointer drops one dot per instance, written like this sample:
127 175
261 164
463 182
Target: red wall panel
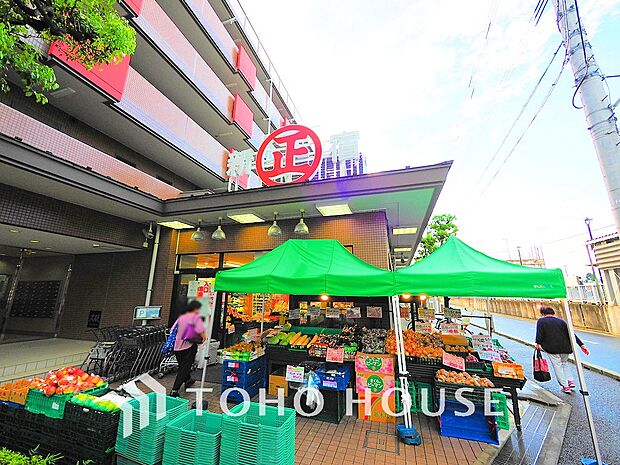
243 116
246 67
134 5
109 78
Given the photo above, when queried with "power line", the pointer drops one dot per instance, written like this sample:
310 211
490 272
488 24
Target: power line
514 147
523 108
491 17
576 235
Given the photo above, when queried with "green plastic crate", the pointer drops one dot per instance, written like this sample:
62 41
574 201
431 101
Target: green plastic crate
193 439
146 445
503 420
254 439
312 330
54 406
415 390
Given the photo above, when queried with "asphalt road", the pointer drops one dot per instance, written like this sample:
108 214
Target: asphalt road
604 395
604 349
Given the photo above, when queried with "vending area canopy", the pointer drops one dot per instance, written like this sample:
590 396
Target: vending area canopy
308 267
456 269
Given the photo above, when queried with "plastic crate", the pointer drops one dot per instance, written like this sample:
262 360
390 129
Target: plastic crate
146 445
478 367
476 396
54 406
121 460
436 362
193 439
243 374
335 381
475 427
503 419
416 390
334 406
252 438
85 422
236 396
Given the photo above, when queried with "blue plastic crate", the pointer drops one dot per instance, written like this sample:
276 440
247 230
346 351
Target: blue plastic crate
244 376
475 427
236 396
335 381
238 365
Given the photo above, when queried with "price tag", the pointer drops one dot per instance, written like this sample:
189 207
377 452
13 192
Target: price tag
452 312
294 374
453 361
335 355
294 313
354 312
491 355
405 311
481 343
450 328
424 327
374 312
314 312
426 314
332 312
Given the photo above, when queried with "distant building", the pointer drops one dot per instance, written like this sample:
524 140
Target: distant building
533 262
342 158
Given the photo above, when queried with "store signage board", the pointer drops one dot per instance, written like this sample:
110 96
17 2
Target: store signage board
405 310
343 304
192 288
147 312
423 327
452 312
426 314
450 328
453 361
335 355
332 312
374 312
294 374
294 313
314 312
303 305
354 312
289 155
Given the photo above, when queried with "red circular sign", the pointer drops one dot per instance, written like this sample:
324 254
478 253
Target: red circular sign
291 154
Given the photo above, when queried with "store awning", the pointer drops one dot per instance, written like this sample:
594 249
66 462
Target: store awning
456 269
308 267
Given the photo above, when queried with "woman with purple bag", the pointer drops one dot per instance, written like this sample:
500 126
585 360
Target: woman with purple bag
190 333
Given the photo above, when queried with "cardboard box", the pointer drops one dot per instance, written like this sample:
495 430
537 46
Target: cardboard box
374 363
375 382
377 413
277 380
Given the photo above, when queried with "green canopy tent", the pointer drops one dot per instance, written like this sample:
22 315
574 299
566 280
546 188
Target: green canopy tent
308 267
456 269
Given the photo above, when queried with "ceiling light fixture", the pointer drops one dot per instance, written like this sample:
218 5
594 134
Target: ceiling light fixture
96 245
407 230
245 217
402 249
199 235
274 230
334 209
324 297
301 227
219 234
14 231
34 241
175 224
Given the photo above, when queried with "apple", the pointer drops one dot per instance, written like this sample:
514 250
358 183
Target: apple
49 391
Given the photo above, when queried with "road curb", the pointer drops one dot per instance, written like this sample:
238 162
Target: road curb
598 369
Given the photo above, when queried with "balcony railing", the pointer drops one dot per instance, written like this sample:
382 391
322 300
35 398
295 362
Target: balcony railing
45 138
155 112
250 32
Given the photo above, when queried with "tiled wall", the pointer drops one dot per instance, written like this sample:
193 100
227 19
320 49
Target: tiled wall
69 126
29 210
365 232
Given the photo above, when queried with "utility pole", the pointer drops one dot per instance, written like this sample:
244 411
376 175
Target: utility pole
597 106
599 287
519 252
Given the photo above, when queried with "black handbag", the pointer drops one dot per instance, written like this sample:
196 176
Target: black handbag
541 367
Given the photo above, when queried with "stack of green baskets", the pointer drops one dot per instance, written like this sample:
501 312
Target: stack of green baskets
193 439
417 397
503 419
146 445
254 439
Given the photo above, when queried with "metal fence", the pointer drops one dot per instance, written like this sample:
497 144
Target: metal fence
586 293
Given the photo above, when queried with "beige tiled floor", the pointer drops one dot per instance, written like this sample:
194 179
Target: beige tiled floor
368 443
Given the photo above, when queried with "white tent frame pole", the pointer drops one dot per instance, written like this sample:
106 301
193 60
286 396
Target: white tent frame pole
402 365
583 388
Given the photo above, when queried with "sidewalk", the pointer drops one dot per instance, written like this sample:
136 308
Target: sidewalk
604 349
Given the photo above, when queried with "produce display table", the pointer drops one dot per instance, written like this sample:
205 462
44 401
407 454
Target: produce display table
283 357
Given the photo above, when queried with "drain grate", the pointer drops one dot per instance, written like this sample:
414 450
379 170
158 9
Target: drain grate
384 442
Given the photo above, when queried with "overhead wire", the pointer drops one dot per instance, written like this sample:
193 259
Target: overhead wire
518 141
493 8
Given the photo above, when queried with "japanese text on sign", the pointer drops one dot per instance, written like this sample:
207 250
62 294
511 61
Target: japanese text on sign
335 355
294 314
423 327
450 328
491 355
354 312
332 313
294 374
452 312
374 312
453 361
426 314
482 342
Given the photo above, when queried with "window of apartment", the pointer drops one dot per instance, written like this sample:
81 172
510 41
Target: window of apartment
127 162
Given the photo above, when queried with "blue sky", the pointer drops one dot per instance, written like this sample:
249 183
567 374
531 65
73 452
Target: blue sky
399 72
